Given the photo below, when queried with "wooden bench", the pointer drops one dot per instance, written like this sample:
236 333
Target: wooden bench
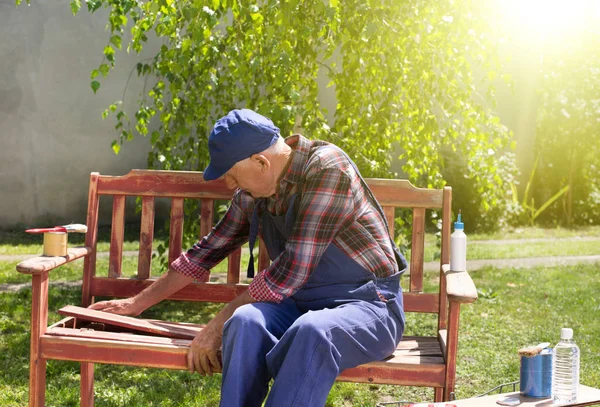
418 361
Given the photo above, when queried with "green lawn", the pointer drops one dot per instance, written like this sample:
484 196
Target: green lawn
516 308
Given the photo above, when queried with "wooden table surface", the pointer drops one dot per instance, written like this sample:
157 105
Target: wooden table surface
588 396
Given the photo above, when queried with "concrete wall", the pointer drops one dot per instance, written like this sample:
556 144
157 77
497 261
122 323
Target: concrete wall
51 130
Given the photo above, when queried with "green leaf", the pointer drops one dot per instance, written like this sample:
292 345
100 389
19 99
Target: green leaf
104 69
75 6
116 41
116 147
95 86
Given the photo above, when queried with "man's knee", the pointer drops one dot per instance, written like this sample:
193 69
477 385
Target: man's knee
314 325
245 318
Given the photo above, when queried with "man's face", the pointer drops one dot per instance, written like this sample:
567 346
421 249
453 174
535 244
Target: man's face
252 176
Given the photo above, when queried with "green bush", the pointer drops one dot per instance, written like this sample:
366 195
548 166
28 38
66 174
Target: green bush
568 131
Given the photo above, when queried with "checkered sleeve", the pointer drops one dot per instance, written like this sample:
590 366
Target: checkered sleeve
326 207
229 234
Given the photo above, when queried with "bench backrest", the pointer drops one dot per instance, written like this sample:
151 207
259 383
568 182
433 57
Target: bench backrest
181 185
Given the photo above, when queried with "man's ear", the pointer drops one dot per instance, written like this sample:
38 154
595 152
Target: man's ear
262 161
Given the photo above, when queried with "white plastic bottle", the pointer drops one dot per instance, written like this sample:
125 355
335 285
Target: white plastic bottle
565 369
458 246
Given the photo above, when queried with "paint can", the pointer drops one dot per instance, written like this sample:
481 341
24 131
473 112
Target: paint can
536 375
55 244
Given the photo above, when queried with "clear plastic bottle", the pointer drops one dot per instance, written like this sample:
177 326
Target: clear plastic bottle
565 369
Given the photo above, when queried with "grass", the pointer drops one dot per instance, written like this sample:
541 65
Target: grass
516 308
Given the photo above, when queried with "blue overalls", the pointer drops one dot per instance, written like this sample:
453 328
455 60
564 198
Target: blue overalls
342 317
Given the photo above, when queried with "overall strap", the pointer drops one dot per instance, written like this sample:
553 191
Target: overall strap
253 234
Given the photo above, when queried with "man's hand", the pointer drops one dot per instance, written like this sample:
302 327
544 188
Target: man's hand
202 355
125 306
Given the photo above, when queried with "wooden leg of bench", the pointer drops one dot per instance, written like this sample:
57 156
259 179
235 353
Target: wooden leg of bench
452 348
439 394
39 323
87 384
37 383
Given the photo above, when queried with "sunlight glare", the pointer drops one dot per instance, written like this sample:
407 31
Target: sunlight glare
548 18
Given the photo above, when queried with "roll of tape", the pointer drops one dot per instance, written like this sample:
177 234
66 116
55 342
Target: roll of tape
55 244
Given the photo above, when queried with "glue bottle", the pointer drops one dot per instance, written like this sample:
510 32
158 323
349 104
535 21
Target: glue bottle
458 246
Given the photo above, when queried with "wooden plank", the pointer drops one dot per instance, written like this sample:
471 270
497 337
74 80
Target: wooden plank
390 216
263 256
176 229
146 237
68 322
428 375
155 327
206 292
117 233
587 396
417 250
459 286
39 322
219 292
42 264
117 336
91 237
206 217
401 193
443 339
173 184
445 255
114 352
233 266
190 184
421 302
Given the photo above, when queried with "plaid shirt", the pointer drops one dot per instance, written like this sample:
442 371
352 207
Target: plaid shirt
334 209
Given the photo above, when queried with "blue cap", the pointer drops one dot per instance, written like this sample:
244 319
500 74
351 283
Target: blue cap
458 224
235 137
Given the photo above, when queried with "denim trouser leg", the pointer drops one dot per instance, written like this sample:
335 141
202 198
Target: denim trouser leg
320 344
248 336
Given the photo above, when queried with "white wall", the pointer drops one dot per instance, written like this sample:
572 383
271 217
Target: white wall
51 131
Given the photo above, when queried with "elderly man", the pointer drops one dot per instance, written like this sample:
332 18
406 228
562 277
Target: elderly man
331 298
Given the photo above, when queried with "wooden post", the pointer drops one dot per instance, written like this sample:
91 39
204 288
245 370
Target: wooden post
445 254
89 263
452 348
39 323
87 384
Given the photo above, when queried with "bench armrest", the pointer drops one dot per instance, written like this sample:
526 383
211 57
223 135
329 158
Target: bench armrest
459 285
41 264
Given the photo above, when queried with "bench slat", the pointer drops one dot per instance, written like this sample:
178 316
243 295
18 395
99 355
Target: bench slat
117 233
176 229
191 184
218 292
206 216
417 250
389 212
233 266
146 237
144 325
